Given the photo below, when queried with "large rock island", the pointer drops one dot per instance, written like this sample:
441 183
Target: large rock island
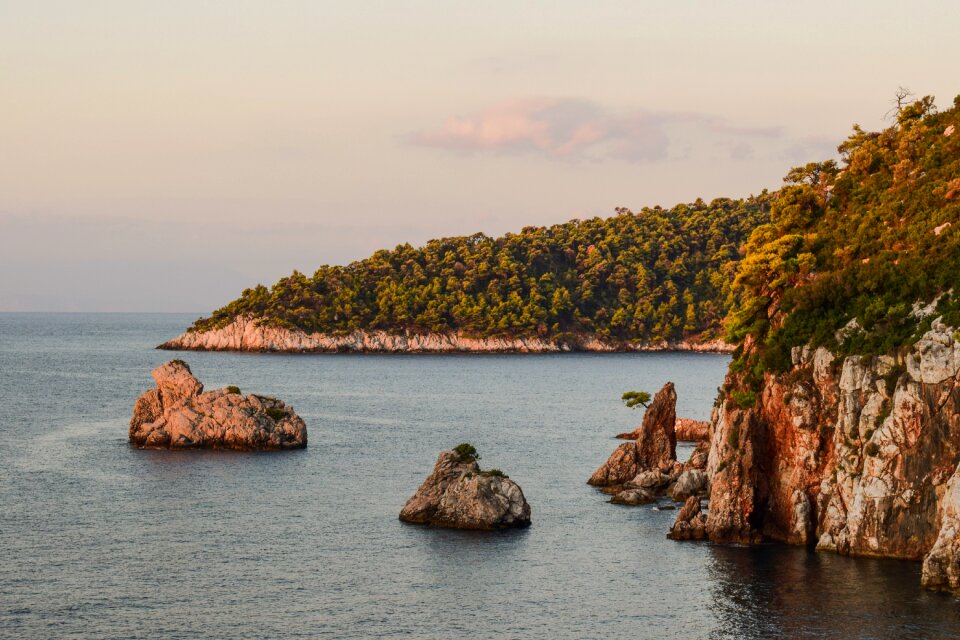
178 414
459 495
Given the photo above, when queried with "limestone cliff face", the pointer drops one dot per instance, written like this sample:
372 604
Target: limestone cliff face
857 455
248 334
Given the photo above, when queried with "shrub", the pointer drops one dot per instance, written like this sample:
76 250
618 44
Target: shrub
744 399
276 413
872 449
495 472
467 452
233 389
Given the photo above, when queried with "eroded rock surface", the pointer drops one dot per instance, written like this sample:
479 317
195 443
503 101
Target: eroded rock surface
853 454
251 334
178 414
639 471
692 430
458 495
690 523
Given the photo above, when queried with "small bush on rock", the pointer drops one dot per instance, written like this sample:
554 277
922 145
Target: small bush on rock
467 452
233 389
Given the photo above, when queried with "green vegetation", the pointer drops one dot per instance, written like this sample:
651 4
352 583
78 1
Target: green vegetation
495 472
467 452
852 246
276 413
232 389
633 398
635 277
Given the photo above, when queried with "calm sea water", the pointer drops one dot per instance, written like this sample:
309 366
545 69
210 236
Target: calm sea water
100 540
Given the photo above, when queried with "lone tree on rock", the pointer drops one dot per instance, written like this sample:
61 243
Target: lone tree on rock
633 398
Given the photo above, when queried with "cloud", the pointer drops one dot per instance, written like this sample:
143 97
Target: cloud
578 129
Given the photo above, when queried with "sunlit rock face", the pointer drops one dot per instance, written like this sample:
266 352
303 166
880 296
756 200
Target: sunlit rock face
855 455
639 471
458 495
178 414
250 334
654 447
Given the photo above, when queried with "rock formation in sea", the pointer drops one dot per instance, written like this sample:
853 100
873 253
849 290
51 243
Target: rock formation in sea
459 495
685 429
857 455
691 524
642 469
178 414
250 334
692 430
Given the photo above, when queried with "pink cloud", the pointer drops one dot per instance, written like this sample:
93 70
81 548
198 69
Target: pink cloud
577 129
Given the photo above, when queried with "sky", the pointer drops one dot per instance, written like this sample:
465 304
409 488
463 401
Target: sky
163 156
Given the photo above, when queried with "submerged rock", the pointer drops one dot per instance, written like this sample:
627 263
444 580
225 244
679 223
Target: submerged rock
458 495
178 414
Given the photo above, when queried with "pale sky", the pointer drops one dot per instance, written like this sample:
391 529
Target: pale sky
162 156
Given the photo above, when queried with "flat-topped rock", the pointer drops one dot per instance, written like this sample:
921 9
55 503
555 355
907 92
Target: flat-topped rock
178 414
459 495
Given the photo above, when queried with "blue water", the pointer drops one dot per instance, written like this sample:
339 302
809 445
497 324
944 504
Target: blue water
100 540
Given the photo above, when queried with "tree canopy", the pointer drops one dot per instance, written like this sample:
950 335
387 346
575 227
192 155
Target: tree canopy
658 274
851 247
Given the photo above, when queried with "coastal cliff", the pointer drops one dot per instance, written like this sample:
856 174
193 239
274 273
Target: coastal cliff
857 455
249 334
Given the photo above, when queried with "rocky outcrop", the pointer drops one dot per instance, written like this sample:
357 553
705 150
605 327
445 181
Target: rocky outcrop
685 429
178 414
692 430
655 445
855 455
690 523
458 495
250 334
639 471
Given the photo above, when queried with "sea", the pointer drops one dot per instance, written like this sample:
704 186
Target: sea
102 540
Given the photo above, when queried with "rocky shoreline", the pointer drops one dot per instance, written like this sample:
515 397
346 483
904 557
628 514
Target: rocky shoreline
248 334
855 455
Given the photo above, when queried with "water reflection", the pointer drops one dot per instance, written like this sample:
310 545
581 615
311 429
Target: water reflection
766 592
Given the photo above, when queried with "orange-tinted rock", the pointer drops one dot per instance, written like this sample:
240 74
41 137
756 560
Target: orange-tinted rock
654 448
854 454
620 467
692 430
657 443
690 523
458 495
178 414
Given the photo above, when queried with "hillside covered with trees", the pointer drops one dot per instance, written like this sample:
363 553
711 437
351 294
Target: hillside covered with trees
658 274
853 249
